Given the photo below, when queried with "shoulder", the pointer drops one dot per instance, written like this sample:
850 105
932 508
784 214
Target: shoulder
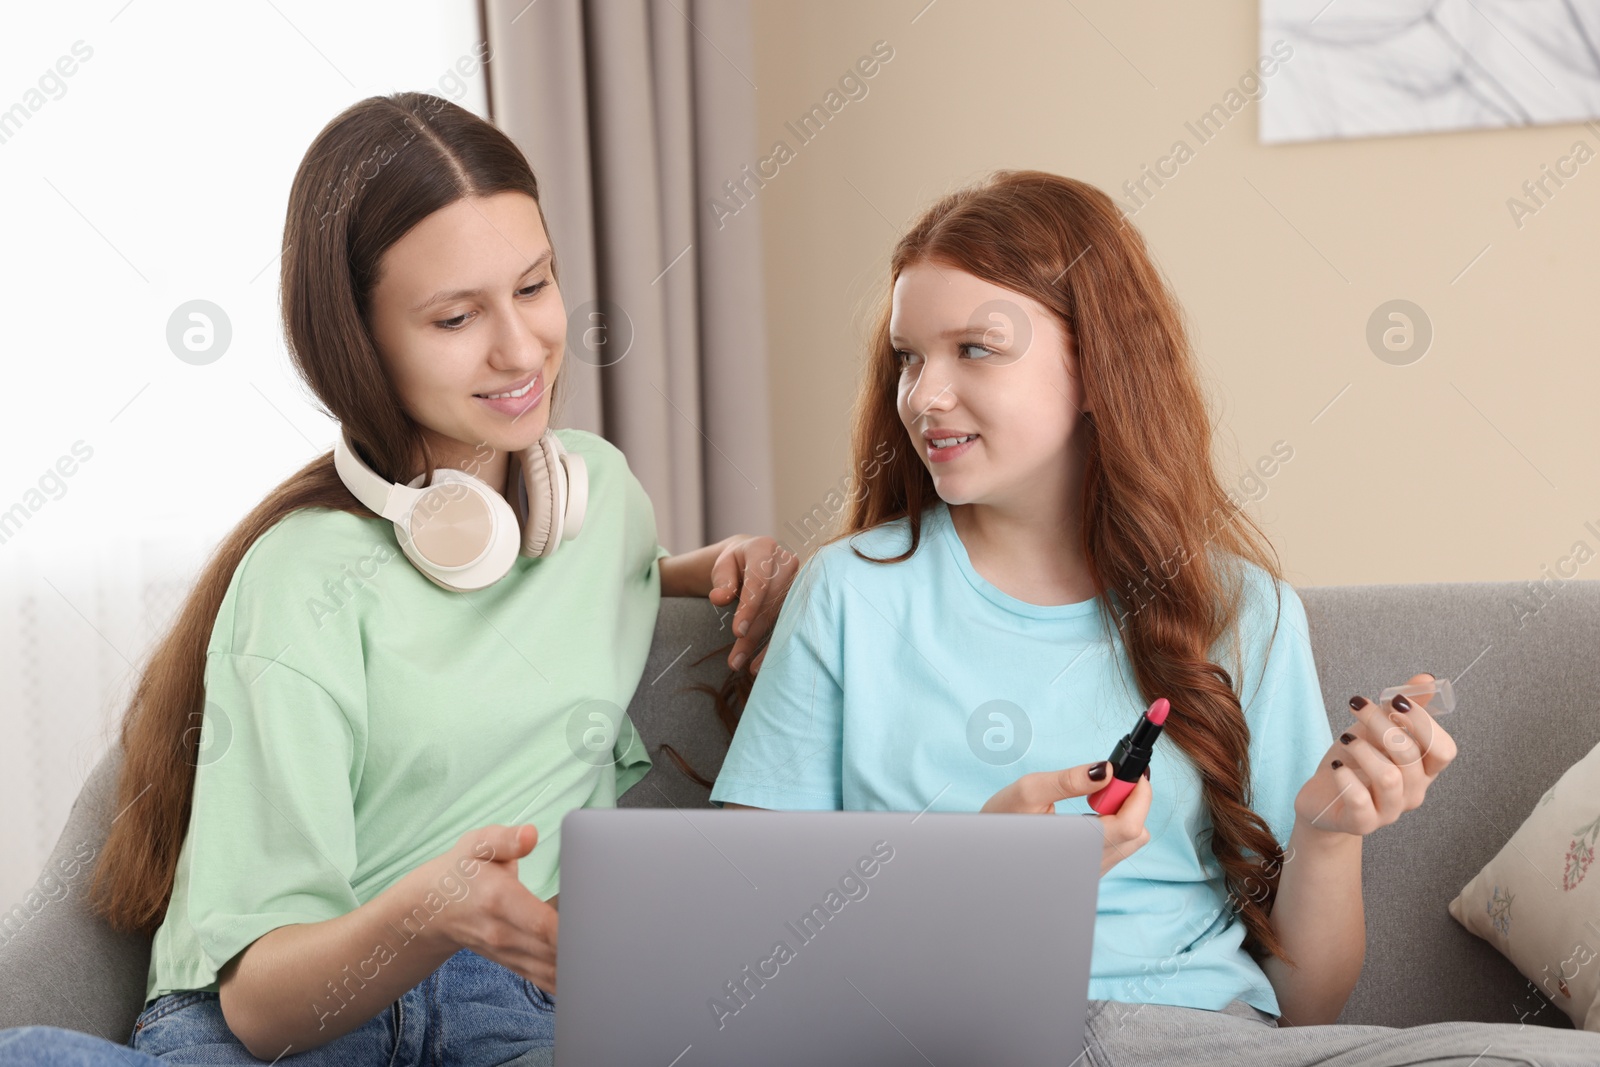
857 552
889 539
312 539
853 559
1270 640
576 440
293 564
606 466
595 450
1265 602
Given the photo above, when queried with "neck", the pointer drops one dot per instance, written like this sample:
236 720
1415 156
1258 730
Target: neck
485 463
1045 540
1031 544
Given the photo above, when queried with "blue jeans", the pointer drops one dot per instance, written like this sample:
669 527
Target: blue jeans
471 1011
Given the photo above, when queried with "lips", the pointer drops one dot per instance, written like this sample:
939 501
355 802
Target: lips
508 389
950 452
941 433
517 406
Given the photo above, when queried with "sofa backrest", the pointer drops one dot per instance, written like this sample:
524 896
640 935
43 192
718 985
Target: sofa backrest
1526 669
1527 674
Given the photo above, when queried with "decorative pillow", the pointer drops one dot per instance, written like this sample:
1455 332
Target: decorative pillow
1538 901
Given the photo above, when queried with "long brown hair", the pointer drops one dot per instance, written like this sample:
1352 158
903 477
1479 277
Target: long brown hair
375 171
1161 536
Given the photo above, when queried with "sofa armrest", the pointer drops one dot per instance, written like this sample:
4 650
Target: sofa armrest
61 965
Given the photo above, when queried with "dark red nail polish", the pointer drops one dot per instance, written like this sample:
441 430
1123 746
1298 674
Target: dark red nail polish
1147 770
1338 763
1347 738
1357 703
1402 703
1098 771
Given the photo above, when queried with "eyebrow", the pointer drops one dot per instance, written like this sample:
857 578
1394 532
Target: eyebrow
441 296
950 334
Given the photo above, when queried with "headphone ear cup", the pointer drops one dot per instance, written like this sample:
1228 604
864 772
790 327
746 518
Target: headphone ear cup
422 564
577 472
460 533
553 495
541 485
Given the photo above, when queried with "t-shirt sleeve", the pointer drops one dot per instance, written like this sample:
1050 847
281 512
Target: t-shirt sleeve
272 832
1282 702
786 751
652 570
629 757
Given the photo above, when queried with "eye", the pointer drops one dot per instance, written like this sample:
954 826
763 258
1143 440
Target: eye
902 357
452 325
986 352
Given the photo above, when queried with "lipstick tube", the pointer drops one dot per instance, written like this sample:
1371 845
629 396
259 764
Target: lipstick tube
1130 758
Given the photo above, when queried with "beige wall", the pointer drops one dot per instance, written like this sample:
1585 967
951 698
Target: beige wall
1479 462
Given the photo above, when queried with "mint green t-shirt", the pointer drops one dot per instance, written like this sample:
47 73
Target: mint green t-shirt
359 718
921 685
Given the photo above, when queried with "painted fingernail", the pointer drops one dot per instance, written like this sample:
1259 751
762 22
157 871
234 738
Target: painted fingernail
1402 703
738 661
1357 703
1347 738
1098 771
1338 763
743 627
1147 770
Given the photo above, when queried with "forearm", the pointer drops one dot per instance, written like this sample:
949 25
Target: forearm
300 986
689 574
1319 917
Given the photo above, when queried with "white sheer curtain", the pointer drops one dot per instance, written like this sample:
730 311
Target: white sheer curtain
155 173
80 618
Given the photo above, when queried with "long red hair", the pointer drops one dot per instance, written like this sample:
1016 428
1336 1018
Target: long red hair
1161 535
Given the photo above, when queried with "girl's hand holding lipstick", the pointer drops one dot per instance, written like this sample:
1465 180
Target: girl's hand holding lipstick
1037 794
1377 769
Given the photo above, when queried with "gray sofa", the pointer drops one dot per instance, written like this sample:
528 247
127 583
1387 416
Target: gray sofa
1527 712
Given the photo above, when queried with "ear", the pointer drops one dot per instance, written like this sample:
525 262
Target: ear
1085 405
1075 370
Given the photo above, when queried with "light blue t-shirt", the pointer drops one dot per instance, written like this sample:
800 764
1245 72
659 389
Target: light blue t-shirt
897 686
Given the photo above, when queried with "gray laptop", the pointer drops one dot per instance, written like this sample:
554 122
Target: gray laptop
708 937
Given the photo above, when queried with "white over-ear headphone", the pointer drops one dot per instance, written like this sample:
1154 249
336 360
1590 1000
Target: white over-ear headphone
459 532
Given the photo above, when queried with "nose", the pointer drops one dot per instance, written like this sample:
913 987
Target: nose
517 345
932 390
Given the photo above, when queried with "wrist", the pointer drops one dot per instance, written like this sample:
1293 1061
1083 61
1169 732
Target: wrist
411 901
1305 835
689 574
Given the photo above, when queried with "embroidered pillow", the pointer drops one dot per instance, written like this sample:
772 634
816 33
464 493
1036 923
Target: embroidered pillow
1538 900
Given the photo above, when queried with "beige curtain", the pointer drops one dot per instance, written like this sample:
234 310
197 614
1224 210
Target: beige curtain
634 113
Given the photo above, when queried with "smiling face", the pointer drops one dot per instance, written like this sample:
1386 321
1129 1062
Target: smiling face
466 307
983 361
